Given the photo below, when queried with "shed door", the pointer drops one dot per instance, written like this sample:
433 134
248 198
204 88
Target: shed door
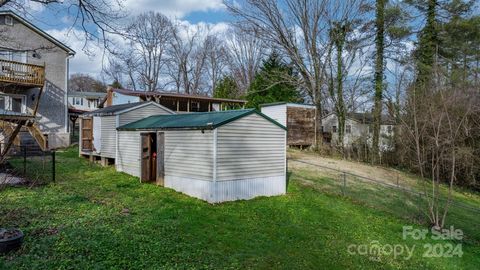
160 158
87 134
146 158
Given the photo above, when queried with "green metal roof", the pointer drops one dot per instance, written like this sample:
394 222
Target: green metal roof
207 120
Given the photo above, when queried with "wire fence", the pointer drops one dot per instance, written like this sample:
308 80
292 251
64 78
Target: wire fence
27 165
403 199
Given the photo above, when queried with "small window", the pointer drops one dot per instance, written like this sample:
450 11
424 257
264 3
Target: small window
334 129
370 129
8 20
194 106
348 129
389 129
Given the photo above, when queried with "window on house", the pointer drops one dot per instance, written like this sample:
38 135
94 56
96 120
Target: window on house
334 129
348 129
389 129
370 129
194 106
14 56
2 103
8 20
17 104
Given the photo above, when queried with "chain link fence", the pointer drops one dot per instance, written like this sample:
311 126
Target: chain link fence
26 165
405 200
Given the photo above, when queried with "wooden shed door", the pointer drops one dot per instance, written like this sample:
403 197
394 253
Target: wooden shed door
146 157
160 158
87 134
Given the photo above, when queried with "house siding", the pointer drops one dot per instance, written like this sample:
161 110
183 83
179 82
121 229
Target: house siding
52 111
109 136
277 113
128 159
189 154
250 147
141 113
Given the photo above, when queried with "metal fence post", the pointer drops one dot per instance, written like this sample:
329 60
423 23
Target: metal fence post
24 160
344 183
53 166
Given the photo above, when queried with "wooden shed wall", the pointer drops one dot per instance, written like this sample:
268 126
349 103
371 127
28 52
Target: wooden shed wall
301 126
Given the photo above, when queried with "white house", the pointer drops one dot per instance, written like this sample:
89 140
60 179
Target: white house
98 129
358 127
213 156
85 101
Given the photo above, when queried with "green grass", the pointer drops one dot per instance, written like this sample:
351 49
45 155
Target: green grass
78 223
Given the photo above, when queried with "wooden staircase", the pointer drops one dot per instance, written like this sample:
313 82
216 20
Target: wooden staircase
8 129
37 135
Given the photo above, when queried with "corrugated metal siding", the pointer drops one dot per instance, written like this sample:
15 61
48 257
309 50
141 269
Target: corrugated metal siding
141 113
249 188
189 153
129 154
250 147
277 113
108 140
196 188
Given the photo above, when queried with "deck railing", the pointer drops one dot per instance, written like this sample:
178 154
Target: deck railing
21 73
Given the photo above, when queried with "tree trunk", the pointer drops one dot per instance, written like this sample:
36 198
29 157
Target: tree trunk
377 110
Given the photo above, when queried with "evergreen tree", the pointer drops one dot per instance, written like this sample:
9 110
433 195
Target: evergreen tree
273 83
226 88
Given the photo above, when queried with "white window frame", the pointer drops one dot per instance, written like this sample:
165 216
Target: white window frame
9 20
9 102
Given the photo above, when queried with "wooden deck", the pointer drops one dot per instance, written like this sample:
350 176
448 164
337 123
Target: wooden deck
21 74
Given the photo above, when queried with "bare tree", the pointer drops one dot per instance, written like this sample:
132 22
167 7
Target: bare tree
438 127
96 18
245 52
216 55
85 83
299 29
188 58
149 36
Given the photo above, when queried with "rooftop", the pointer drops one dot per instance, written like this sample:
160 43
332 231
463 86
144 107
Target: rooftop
288 104
129 92
86 94
207 120
113 110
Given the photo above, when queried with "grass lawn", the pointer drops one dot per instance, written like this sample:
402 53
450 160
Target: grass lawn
82 222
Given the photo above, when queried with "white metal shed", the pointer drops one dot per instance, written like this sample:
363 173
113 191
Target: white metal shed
214 156
98 129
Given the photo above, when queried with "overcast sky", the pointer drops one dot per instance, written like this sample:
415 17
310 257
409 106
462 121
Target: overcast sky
59 24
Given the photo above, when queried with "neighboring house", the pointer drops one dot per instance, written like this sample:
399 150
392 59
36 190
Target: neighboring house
298 118
98 129
358 129
85 101
34 67
177 102
213 156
